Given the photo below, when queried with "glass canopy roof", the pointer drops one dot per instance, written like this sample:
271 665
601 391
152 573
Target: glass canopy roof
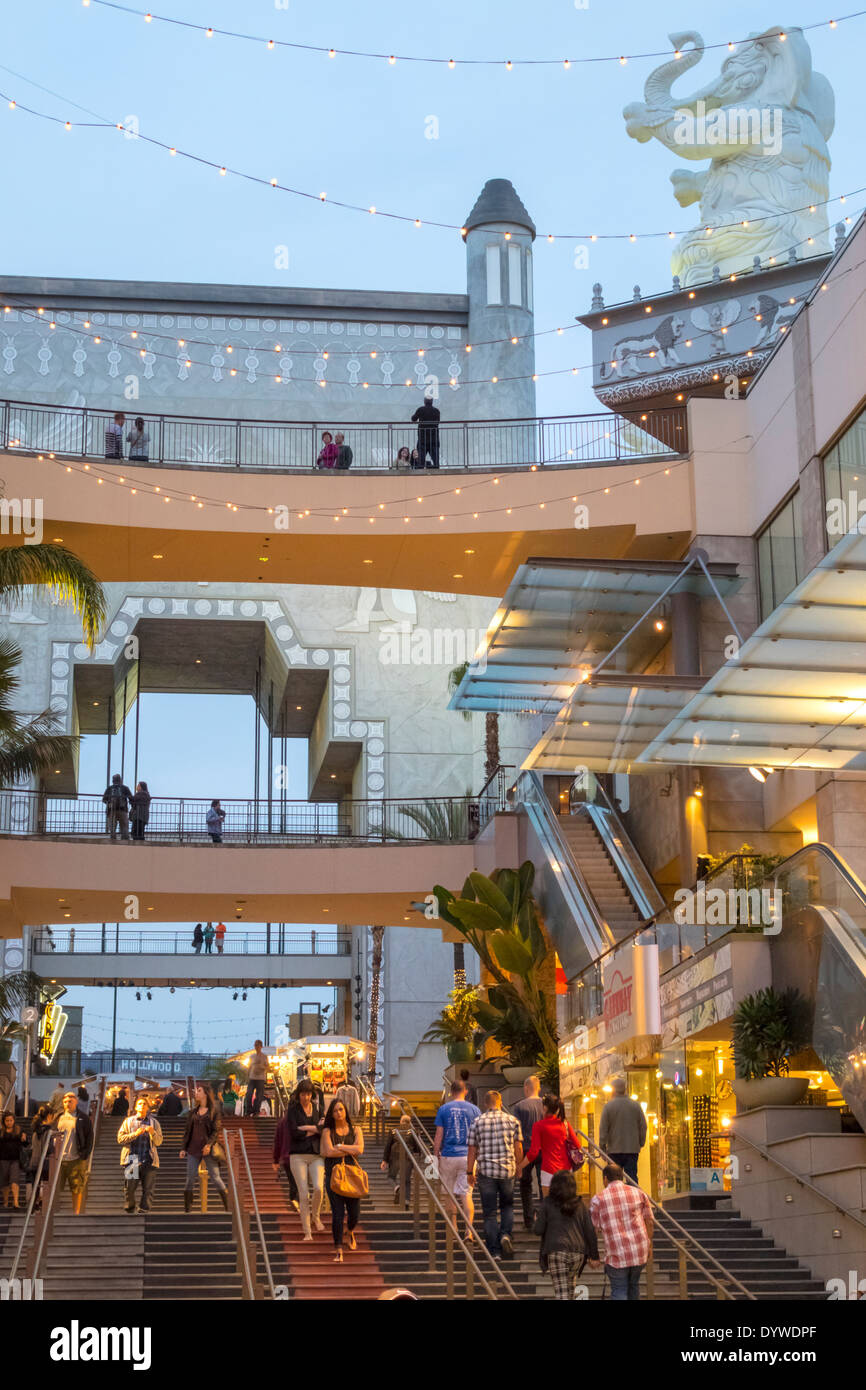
560 619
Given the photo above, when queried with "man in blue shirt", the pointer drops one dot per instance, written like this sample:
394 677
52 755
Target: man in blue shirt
450 1145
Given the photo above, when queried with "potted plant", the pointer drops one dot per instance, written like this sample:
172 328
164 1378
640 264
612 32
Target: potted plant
768 1028
498 916
456 1026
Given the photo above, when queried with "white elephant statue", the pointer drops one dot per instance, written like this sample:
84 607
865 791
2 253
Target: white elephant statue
763 124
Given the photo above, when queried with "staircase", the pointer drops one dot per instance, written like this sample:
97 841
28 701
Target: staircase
762 1267
613 900
88 1258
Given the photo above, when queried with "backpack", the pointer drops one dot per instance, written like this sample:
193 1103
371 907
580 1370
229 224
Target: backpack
116 793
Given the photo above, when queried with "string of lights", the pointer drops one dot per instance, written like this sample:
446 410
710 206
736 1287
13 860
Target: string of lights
406 218
392 58
38 314
354 514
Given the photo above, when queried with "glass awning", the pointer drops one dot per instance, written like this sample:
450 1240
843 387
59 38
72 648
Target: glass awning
795 696
609 722
559 619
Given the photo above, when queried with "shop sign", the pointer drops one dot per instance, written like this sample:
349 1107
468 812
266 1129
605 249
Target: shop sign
707 1179
51 1026
701 994
631 994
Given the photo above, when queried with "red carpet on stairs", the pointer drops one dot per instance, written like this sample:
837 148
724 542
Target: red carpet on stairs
312 1273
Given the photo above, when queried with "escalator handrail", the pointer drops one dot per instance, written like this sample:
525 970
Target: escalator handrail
687 1243
855 883
564 854
798 1177
634 865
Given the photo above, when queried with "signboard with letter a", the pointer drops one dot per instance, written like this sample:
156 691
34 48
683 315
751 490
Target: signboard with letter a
631 993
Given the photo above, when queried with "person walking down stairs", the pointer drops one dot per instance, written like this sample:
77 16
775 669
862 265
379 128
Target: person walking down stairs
342 1146
202 1143
305 1119
141 1135
393 1149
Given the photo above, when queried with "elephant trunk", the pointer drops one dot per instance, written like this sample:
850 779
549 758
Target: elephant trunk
657 91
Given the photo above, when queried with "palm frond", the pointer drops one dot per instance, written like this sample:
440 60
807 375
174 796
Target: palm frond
26 749
60 571
454 679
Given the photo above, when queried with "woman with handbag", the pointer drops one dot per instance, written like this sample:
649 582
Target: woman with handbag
556 1141
202 1143
304 1120
342 1146
567 1234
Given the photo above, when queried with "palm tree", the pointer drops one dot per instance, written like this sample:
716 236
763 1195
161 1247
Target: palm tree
29 746
18 989
491 723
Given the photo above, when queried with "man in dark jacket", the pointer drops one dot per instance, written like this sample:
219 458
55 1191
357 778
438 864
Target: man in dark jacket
344 453
171 1104
77 1131
118 799
622 1132
427 419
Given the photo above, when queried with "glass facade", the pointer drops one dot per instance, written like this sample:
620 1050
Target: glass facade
781 564
845 481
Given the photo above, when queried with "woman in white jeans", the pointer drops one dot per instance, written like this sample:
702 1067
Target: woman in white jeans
304 1120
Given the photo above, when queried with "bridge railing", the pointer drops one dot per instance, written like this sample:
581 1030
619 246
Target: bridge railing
183 820
294 445
113 940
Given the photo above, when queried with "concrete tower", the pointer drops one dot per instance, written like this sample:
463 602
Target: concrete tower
499 237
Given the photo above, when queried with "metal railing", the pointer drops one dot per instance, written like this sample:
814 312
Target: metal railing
114 941
294 446
677 941
247 1266
690 1253
100 1106
181 820
43 1221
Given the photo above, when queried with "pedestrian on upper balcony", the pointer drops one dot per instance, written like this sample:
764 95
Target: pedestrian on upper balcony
328 452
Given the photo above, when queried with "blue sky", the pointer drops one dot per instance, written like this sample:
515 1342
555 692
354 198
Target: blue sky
94 204
91 203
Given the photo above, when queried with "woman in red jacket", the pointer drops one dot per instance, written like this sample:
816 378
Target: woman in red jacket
552 1137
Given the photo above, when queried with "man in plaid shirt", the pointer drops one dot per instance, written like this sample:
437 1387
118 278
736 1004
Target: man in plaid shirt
496 1142
623 1215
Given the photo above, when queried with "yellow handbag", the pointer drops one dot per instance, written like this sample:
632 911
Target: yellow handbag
349 1180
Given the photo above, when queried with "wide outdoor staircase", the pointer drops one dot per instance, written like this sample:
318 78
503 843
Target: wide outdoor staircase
168 1254
614 902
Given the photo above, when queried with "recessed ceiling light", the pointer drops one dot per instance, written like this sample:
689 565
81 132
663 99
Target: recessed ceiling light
157 557
298 706
57 540
333 776
263 559
368 562
469 552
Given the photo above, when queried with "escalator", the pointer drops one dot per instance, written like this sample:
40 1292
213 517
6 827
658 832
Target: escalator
821 951
591 884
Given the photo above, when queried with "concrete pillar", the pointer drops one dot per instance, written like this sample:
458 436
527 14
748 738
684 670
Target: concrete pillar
685 632
841 806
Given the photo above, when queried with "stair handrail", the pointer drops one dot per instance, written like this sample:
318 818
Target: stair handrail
47 1143
539 801
256 1211
798 1177
239 1224
451 1226
99 1104
421 1136
687 1244
45 1218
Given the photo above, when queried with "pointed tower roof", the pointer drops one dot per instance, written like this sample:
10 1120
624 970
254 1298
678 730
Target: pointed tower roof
498 202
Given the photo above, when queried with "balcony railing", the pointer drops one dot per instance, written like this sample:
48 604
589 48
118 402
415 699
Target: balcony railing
112 940
293 446
182 820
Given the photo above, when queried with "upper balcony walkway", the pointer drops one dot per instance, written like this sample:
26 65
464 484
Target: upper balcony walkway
293 446
354 863
219 500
